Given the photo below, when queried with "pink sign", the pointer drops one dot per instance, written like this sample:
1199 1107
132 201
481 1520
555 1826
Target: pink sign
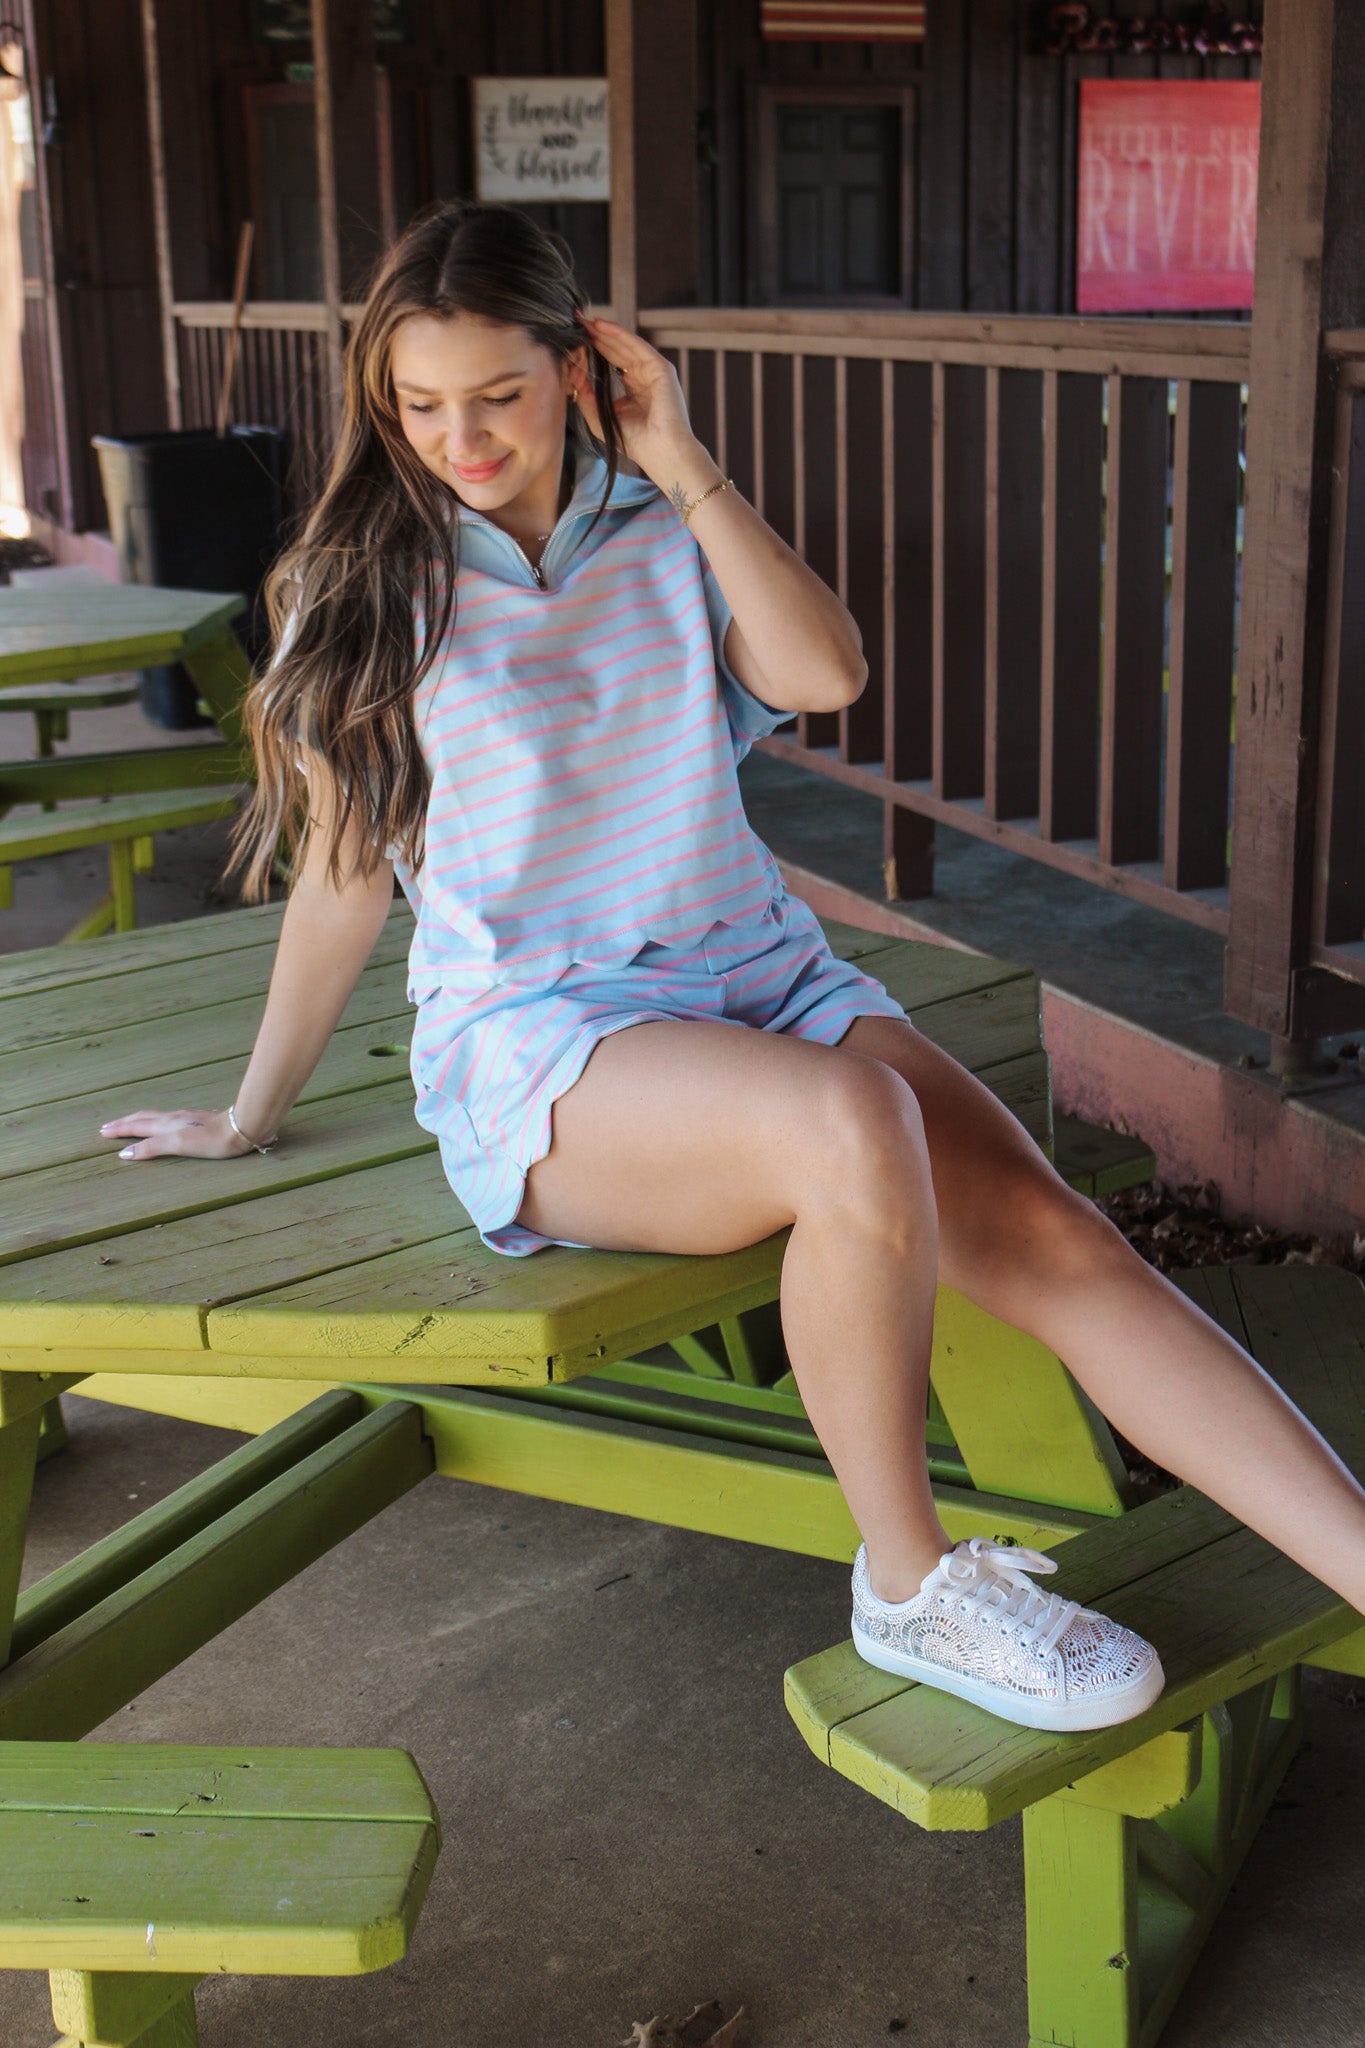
1166 211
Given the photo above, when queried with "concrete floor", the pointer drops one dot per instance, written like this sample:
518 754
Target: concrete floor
631 1822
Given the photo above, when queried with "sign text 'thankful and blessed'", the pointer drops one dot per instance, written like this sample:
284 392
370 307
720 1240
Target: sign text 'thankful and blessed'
541 139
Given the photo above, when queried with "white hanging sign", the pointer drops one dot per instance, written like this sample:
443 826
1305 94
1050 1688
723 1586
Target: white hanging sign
541 139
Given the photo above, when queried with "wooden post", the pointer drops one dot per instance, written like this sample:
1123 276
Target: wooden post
349 186
1309 277
620 26
652 98
161 217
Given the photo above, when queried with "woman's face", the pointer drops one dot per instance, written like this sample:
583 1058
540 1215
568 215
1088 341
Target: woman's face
484 407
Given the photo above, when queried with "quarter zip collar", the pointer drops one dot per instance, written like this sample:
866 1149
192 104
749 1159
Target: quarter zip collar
495 551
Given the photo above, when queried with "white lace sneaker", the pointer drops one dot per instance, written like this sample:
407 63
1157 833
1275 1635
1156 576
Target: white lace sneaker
980 1629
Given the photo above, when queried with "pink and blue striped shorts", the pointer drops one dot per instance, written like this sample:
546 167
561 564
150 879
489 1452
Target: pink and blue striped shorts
489 1071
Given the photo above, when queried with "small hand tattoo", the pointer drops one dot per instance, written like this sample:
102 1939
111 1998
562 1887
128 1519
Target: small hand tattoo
677 498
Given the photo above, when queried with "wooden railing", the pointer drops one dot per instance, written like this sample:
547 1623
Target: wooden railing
1037 525
281 376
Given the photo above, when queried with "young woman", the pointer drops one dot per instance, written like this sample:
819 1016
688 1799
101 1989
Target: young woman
522 681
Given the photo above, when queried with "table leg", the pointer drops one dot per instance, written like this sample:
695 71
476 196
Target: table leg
18 1457
121 885
48 724
123 2009
221 673
52 1435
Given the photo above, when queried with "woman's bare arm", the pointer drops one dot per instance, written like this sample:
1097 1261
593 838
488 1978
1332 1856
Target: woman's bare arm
327 935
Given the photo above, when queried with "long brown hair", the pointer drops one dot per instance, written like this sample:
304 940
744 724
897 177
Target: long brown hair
378 555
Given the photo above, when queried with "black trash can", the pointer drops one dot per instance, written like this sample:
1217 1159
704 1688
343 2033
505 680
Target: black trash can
192 512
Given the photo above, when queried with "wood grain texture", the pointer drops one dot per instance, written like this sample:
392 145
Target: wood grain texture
271 1898
1309 279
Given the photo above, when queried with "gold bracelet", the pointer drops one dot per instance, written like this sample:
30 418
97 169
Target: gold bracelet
269 1144
686 511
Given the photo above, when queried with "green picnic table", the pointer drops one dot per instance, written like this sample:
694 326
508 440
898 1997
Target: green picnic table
52 642
107 629
334 1300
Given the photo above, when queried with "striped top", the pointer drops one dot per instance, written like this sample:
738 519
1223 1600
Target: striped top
582 738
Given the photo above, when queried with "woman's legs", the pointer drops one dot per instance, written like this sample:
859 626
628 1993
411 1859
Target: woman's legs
1016 1240
701 1137
896 1167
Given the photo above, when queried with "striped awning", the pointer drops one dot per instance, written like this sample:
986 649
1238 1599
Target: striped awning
843 21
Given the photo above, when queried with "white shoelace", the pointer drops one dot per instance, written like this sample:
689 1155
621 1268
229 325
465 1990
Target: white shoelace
991 1576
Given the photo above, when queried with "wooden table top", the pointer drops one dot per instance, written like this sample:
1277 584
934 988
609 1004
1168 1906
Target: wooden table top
100 629
343 1254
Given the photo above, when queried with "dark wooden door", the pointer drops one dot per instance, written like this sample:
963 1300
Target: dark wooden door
837 185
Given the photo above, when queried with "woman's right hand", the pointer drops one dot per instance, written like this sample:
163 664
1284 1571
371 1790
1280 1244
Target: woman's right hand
177 1134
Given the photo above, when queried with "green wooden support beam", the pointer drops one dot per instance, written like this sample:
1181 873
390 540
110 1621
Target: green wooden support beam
783 1499
52 1436
1119 1906
18 1458
73 776
70 1681
124 2008
1020 1422
121 885
221 673
111 1564
1080 1892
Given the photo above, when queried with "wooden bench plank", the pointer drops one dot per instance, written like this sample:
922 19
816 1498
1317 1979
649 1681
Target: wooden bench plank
1096 1161
30 836
163 1779
204 1895
95 693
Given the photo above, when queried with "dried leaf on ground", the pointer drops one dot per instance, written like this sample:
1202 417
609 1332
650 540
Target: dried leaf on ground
1176 1227
704 2027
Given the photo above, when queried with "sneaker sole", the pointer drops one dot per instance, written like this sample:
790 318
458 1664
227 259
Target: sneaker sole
1107 1711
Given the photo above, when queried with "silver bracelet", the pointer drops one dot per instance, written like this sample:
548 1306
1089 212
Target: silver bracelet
269 1144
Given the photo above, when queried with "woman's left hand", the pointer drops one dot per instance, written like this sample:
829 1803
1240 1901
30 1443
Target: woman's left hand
651 413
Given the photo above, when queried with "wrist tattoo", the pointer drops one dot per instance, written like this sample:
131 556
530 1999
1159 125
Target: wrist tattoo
677 498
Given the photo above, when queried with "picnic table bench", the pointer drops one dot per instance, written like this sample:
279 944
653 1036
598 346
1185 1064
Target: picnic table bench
334 1300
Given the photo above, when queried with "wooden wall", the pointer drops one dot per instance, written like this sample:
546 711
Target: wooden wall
995 145
97 197
994 183
212 52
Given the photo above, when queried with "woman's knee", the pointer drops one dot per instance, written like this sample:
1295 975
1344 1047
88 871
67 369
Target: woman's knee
1031 1220
864 1153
